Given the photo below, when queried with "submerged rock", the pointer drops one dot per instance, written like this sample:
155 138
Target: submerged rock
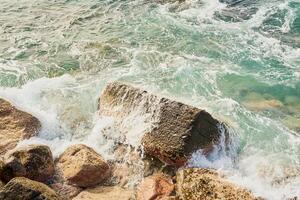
178 129
155 187
33 161
106 193
15 125
21 188
197 183
262 105
237 10
80 165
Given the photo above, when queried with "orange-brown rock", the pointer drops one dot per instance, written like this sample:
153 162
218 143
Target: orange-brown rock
106 193
197 183
155 187
80 165
178 129
32 161
15 125
21 188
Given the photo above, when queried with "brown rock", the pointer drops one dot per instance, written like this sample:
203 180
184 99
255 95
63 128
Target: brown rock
196 183
179 129
65 191
155 187
21 188
15 125
33 161
1 172
82 166
106 193
1 185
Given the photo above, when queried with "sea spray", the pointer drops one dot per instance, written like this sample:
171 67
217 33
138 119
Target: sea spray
235 69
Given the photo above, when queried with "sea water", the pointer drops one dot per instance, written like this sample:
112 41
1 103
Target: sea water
239 60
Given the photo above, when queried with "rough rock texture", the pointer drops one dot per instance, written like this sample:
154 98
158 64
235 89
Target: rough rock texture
196 183
15 125
82 166
1 172
33 161
179 129
65 191
1 185
155 187
106 193
25 189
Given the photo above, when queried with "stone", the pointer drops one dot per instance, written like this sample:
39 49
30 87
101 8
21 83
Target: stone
262 105
15 125
80 165
155 187
65 191
32 161
105 193
21 188
198 183
178 129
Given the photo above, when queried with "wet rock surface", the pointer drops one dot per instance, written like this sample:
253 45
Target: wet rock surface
33 161
155 187
80 165
179 129
15 125
238 10
196 183
25 189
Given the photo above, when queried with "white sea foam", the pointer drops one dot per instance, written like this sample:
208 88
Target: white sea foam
179 51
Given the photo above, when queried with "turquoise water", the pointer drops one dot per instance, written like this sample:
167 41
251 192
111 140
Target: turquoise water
240 61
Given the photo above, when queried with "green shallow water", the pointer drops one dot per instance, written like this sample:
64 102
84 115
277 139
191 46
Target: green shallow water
241 63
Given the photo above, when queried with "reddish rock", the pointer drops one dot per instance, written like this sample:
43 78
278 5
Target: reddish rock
15 125
155 187
82 166
33 161
178 129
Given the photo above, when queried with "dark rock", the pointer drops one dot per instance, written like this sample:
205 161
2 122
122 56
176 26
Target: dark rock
238 10
179 129
33 161
21 188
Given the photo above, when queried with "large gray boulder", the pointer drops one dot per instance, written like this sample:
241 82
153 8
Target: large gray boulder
178 129
15 125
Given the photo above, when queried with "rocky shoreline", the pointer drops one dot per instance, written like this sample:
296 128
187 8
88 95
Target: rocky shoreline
80 173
